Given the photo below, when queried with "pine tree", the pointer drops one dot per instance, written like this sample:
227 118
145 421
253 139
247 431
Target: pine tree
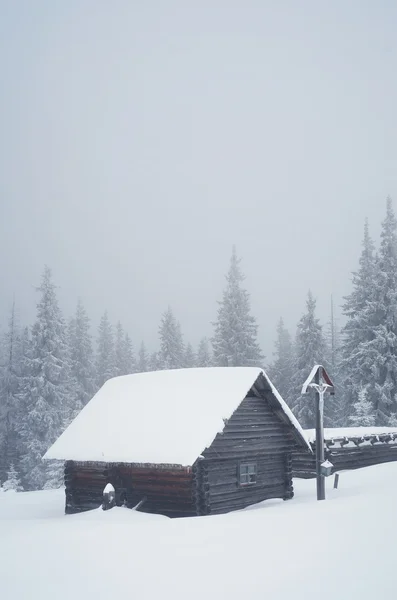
358 332
172 350
310 350
204 358
154 362
190 357
335 407
282 369
235 330
363 411
45 399
54 475
12 483
124 354
105 360
10 389
129 357
381 352
143 359
82 369
119 349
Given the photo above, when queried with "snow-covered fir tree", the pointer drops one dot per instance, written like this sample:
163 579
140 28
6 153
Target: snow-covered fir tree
172 349
46 395
382 314
204 358
12 483
54 475
310 350
11 385
129 364
235 331
119 349
190 357
82 368
363 414
105 358
143 359
357 371
335 408
154 363
281 371
124 352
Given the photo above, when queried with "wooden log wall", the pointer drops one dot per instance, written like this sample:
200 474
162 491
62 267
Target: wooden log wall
255 433
344 457
166 491
220 491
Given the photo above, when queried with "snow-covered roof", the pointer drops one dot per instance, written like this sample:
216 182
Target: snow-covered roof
349 432
162 417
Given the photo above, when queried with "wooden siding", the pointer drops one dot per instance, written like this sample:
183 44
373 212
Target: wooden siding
253 434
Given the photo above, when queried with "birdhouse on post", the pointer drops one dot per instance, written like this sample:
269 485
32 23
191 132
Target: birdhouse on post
320 381
326 468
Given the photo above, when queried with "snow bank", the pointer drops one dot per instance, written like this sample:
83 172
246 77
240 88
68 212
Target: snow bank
254 554
349 432
166 417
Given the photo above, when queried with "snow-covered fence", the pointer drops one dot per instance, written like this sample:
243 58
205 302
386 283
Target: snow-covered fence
348 448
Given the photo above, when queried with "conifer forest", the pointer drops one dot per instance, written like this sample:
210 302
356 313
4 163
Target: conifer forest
51 368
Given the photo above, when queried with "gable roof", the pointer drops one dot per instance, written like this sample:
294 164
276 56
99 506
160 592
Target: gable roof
162 417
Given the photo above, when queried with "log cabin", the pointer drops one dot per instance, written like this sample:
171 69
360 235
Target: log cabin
347 448
181 443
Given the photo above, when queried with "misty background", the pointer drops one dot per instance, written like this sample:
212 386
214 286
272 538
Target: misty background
141 140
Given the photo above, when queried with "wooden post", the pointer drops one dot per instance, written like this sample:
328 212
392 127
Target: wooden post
320 381
319 435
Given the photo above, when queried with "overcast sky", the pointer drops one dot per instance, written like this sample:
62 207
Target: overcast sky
140 140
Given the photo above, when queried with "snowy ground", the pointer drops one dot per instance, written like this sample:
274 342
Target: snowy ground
267 551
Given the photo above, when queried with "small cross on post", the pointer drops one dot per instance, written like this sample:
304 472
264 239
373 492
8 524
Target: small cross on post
320 381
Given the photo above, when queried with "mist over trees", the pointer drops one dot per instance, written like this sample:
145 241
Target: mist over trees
52 368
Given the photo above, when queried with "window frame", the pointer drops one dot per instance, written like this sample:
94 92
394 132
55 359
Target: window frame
254 472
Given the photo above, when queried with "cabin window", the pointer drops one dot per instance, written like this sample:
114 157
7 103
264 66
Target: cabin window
247 474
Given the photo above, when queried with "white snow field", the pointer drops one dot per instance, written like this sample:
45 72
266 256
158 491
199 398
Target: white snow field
344 548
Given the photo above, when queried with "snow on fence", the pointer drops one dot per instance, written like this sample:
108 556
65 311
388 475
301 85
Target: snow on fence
347 449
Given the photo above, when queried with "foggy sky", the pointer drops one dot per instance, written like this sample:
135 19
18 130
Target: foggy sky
140 140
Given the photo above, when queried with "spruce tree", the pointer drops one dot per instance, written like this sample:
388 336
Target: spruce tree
381 352
119 349
356 367
143 359
82 369
335 406
129 357
282 369
235 330
10 390
172 350
124 353
12 483
154 363
204 358
190 357
105 359
310 350
363 411
45 398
